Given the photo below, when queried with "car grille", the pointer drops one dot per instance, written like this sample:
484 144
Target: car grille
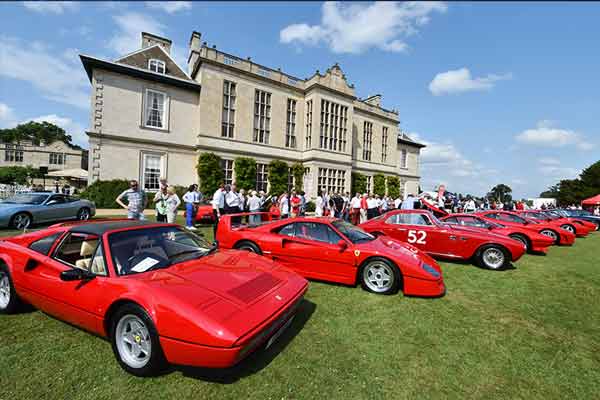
254 288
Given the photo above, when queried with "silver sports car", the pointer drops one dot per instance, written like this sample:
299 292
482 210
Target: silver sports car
22 210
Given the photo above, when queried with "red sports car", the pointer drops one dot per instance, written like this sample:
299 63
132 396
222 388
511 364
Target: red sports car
573 225
534 241
158 292
332 250
509 218
422 229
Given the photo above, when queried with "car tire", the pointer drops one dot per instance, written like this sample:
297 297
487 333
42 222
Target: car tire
569 227
10 302
492 257
521 238
248 246
84 214
21 221
551 234
379 275
135 341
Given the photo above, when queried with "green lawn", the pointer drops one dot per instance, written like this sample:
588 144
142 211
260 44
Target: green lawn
530 332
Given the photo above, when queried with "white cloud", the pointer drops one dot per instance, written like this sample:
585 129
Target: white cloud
7 116
460 80
57 79
549 161
170 7
356 27
52 7
545 134
73 128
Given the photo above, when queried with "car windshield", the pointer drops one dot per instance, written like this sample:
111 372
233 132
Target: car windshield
552 215
26 198
142 250
353 233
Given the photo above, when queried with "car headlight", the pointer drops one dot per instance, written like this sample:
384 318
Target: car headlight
432 271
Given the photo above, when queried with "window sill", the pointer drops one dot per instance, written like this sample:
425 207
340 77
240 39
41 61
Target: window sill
152 128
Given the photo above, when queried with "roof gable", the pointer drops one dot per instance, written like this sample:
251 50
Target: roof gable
141 57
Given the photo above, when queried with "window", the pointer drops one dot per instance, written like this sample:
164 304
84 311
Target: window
76 250
227 167
403 158
334 118
309 105
409 219
44 245
384 144
261 177
228 109
468 221
152 171
57 158
155 109
367 140
317 232
13 153
56 199
156 66
332 180
290 128
262 116
369 183
287 230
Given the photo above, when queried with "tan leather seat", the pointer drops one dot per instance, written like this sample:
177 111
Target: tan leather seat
87 249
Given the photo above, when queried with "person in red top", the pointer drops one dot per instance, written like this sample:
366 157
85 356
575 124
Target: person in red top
363 208
295 203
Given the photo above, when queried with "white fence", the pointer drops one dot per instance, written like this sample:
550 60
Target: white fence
10 190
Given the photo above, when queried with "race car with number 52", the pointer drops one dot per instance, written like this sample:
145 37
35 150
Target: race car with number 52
425 231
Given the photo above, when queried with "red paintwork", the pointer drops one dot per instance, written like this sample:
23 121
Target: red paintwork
582 228
439 239
205 215
538 243
199 322
507 218
330 262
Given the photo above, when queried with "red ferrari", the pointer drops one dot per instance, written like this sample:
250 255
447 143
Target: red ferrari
573 225
422 229
509 218
534 241
158 292
335 251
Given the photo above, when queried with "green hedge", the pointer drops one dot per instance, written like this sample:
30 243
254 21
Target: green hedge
245 173
16 174
278 177
310 206
379 184
359 183
393 184
298 174
104 193
210 172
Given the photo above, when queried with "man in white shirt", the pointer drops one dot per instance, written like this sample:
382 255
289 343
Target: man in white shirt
409 203
284 205
355 209
398 202
254 206
218 205
371 207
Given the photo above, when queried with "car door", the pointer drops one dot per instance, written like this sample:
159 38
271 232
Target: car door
418 230
54 208
76 302
312 249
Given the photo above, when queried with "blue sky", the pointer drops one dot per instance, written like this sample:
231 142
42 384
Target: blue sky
500 92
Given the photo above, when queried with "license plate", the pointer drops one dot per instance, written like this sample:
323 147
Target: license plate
279 332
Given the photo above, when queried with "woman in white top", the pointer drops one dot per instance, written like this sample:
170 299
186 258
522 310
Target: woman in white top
284 205
172 201
254 206
160 204
319 205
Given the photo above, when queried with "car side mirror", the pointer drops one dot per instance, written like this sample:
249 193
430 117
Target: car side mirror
76 274
51 202
343 245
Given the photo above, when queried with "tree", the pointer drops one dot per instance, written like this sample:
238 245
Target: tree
573 191
245 173
393 184
551 193
590 179
298 174
278 177
379 184
501 192
359 183
210 173
18 175
36 132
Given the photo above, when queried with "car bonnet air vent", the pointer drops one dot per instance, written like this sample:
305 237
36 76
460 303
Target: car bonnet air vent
249 291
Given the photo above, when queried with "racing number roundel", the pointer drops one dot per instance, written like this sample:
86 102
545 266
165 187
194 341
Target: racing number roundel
417 236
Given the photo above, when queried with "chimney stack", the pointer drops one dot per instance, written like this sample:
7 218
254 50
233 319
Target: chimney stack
149 40
194 54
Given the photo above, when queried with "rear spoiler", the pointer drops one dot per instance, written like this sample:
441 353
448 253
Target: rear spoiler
438 212
91 221
229 221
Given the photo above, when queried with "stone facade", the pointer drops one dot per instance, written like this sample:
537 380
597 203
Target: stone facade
235 107
56 156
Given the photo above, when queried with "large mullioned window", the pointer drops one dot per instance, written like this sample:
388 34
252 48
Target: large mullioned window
332 180
290 126
384 144
334 119
262 116
367 140
228 117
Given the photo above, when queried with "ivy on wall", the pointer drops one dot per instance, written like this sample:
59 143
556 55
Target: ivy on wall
393 185
379 184
210 173
278 177
298 174
245 173
359 183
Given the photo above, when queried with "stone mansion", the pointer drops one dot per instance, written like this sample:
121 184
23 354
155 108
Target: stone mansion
150 118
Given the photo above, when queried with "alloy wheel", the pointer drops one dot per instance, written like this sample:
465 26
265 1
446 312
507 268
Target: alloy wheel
4 290
133 341
22 221
378 276
493 258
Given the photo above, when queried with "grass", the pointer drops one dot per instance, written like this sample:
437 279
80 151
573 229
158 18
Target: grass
531 332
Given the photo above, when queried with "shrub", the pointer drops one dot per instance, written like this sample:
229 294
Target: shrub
245 173
298 174
310 206
210 173
278 177
359 183
104 193
18 175
379 184
393 184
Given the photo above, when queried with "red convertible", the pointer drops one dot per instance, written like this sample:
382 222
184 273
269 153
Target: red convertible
332 250
423 230
158 292
534 241
578 227
509 218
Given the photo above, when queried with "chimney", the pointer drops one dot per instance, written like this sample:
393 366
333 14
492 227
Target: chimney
195 45
374 100
149 39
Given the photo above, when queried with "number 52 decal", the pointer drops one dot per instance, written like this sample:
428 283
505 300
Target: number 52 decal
417 236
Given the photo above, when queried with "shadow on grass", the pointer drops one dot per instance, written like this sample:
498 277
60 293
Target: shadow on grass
258 360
